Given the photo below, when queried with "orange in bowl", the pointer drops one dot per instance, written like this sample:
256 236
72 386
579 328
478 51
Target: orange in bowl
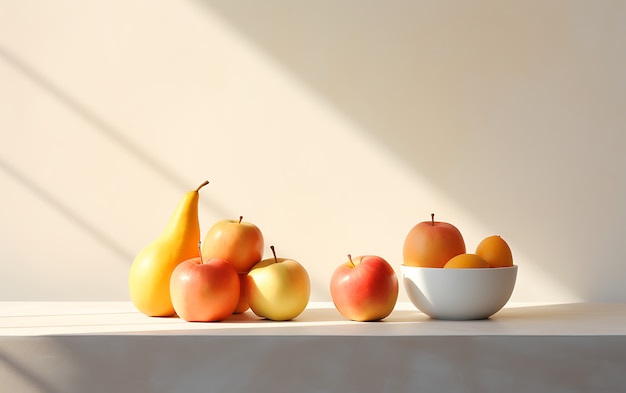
495 250
466 261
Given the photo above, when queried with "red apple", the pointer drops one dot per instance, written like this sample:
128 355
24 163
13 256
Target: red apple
365 288
432 244
240 243
204 292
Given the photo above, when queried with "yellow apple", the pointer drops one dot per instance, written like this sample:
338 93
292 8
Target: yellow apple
278 288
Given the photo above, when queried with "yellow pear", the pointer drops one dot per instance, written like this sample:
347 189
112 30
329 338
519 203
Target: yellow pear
149 277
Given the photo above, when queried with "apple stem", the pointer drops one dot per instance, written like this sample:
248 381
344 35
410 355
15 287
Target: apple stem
200 251
202 185
240 218
350 259
274 252
432 218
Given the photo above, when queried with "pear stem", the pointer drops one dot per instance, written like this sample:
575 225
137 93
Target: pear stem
350 259
432 218
274 252
202 185
240 218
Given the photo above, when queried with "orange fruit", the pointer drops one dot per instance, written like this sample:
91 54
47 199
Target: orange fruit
465 261
495 251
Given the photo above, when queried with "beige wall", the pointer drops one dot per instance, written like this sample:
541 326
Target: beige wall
334 126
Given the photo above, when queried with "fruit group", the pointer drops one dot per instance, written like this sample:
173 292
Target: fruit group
278 288
432 243
149 276
466 261
496 251
204 292
364 288
240 243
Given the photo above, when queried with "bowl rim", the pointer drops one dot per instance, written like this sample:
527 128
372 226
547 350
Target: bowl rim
514 266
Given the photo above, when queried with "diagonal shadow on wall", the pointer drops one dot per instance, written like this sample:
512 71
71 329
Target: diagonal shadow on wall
103 127
63 208
473 97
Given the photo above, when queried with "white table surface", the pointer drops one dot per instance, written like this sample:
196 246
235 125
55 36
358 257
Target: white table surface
68 318
79 347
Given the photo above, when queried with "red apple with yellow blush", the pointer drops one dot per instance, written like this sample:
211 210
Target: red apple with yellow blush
239 242
432 244
204 291
364 288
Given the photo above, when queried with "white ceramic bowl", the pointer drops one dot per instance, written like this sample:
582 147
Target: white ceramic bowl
459 294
